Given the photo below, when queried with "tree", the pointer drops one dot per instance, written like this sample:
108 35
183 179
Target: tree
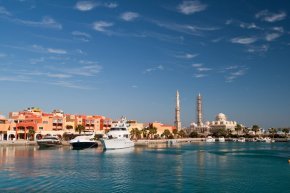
255 128
181 133
152 131
272 131
79 128
246 130
175 132
31 133
135 133
228 132
144 132
193 134
285 131
238 128
166 133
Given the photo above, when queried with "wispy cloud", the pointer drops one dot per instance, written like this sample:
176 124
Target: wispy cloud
190 7
134 86
197 65
187 56
258 49
272 36
2 55
186 29
102 26
233 72
16 78
129 16
88 70
3 11
56 51
46 22
70 84
199 75
265 15
203 69
90 5
81 36
243 40
85 5
157 68
110 5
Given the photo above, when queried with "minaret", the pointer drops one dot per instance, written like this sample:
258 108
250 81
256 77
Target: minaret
177 113
199 110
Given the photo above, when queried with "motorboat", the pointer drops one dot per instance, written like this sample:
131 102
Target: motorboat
242 139
49 141
118 137
221 139
84 142
210 139
269 140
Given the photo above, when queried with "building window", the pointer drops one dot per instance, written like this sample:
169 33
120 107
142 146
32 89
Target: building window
45 122
40 128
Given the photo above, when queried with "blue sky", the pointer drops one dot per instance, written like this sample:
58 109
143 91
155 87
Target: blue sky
129 57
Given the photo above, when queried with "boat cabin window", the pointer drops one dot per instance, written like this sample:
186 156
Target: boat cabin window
118 129
126 136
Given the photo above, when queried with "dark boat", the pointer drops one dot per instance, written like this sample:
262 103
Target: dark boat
83 142
49 141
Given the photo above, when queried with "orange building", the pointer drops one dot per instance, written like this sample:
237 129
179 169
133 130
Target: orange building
32 123
162 127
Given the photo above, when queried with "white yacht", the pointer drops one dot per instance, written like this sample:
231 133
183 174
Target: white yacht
118 137
83 142
210 139
242 139
49 141
222 139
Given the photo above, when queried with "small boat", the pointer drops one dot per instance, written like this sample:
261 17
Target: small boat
269 140
83 142
118 137
210 139
242 139
49 141
222 139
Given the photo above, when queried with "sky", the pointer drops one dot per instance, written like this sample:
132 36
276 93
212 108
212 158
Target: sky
128 58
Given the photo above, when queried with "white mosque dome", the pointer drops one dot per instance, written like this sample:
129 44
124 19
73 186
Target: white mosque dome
221 117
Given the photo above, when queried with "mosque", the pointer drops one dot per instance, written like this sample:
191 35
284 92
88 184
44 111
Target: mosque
221 121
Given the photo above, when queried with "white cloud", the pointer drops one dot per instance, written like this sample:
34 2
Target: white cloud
129 16
3 11
231 67
235 74
190 7
249 26
69 84
134 86
90 70
81 36
203 69
157 68
56 51
197 65
85 5
199 75
46 22
187 29
258 49
272 36
243 40
279 29
187 56
265 15
111 5
60 76
102 26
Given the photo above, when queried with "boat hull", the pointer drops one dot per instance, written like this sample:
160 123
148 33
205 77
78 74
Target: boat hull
117 143
84 145
49 144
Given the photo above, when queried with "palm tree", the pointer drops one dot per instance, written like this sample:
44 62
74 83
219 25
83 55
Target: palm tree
246 130
181 133
285 131
255 128
31 133
144 132
175 132
272 131
166 133
79 128
229 132
152 131
238 128
135 133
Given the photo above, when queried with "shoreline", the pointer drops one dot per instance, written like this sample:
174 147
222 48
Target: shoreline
140 142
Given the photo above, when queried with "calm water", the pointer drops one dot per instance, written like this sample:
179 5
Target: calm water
200 167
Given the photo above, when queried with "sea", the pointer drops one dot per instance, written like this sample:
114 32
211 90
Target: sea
197 167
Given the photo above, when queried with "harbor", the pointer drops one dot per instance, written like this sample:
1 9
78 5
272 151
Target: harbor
198 167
